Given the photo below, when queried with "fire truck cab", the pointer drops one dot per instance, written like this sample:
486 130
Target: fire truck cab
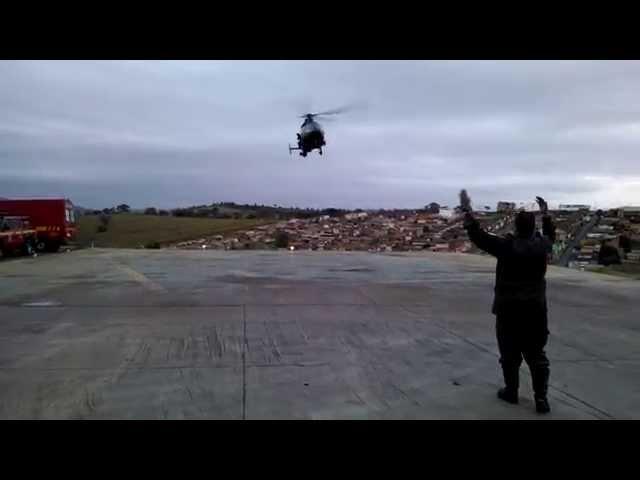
52 218
16 235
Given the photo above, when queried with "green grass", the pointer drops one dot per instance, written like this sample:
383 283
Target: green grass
134 230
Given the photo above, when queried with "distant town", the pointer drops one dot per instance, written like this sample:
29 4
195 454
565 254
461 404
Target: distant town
584 237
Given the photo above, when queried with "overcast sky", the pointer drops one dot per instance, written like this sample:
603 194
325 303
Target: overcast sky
179 133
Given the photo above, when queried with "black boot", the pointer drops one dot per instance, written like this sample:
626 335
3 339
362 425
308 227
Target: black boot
540 381
542 405
508 395
511 375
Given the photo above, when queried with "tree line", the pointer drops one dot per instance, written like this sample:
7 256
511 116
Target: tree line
232 210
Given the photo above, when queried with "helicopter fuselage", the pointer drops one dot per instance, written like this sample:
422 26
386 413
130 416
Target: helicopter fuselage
311 137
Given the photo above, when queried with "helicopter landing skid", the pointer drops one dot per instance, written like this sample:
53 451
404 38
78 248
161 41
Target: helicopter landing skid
303 153
293 148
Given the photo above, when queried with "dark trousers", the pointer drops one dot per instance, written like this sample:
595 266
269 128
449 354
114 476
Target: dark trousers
524 335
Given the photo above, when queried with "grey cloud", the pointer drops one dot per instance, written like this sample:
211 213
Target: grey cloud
176 132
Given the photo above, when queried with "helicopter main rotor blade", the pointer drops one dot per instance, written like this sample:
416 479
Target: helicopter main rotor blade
345 108
333 112
336 111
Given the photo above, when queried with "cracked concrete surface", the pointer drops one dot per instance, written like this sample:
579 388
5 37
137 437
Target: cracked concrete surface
106 334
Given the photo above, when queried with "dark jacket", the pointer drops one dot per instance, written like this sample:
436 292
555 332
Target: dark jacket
522 264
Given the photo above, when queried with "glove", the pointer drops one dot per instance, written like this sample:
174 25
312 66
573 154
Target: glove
543 205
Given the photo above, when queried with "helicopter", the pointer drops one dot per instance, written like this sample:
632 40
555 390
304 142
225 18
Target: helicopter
311 136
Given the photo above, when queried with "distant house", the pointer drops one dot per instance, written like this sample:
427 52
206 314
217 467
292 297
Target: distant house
561 235
356 215
433 208
504 207
603 229
440 247
628 212
563 207
446 213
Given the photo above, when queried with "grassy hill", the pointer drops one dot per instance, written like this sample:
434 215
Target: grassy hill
133 230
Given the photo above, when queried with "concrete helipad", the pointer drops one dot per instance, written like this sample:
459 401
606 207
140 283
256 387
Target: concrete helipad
102 334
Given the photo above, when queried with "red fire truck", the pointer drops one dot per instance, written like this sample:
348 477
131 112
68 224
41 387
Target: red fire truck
53 219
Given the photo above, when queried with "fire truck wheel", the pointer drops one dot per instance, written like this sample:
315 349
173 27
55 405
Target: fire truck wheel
41 246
